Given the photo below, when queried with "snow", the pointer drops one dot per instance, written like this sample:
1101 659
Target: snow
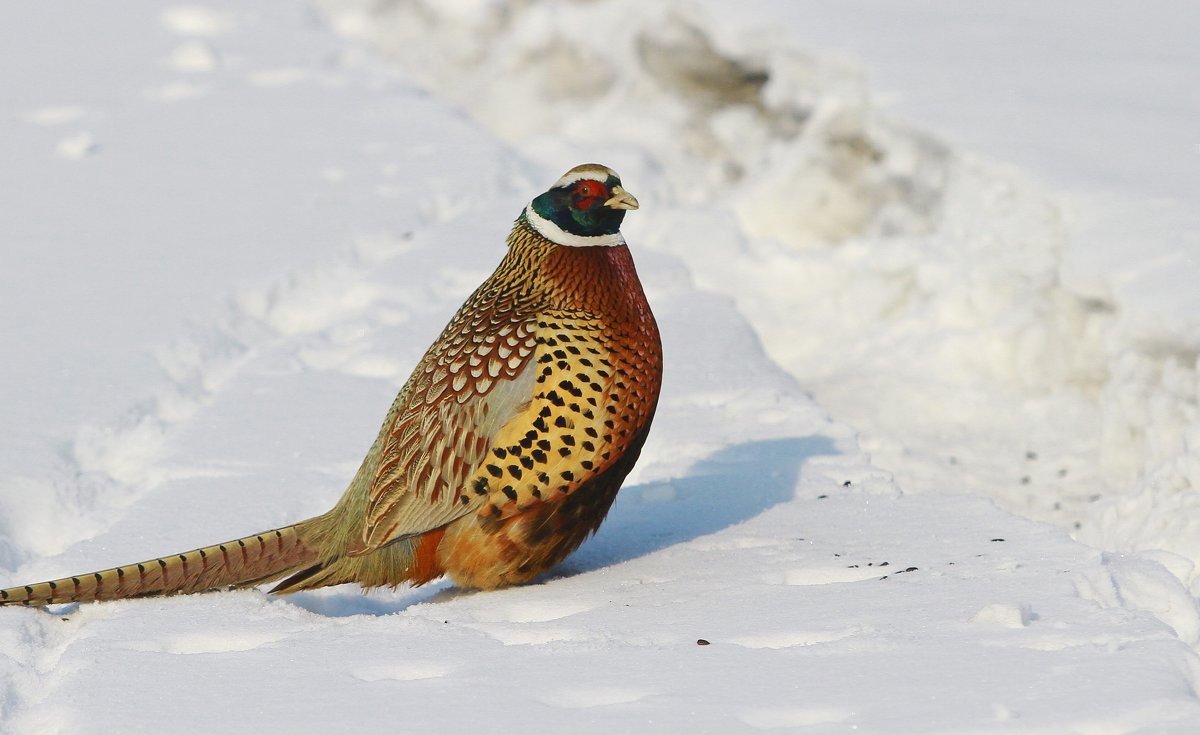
229 236
1049 333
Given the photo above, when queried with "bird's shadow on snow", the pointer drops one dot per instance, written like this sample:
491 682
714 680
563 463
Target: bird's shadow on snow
728 487
732 485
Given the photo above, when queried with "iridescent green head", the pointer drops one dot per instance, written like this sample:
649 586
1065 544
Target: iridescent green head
584 208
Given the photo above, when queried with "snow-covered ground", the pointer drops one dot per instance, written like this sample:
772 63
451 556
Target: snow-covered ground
228 233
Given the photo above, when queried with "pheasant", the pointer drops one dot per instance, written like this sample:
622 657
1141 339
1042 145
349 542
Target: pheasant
502 452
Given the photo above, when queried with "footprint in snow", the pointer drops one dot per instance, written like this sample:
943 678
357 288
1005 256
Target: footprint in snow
196 20
208 643
529 635
806 576
581 698
773 718
55 115
521 623
77 146
407 671
193 57
529 612
792 638
176 91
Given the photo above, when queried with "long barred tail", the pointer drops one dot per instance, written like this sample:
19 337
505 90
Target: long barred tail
242 562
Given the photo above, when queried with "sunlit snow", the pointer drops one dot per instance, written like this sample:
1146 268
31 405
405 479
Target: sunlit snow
925 460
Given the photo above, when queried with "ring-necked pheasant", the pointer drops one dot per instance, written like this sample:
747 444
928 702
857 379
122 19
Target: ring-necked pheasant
502 452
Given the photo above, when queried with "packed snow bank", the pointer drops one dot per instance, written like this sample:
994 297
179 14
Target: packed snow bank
1089 98
259 235
981 331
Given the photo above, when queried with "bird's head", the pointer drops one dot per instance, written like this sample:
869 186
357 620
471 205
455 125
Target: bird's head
584 208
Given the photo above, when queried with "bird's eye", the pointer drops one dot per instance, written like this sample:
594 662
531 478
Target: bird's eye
586 193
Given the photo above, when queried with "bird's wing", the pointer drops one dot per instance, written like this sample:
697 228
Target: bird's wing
476 379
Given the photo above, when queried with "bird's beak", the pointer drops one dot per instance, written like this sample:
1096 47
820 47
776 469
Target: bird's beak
621 199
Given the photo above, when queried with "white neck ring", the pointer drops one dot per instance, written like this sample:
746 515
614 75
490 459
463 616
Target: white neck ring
559 236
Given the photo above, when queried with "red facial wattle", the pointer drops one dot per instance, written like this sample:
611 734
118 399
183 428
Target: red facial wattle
587 193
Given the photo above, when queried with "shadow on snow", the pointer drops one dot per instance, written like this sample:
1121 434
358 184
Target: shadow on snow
730 486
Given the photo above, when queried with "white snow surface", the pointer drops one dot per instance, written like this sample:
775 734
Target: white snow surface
913 347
